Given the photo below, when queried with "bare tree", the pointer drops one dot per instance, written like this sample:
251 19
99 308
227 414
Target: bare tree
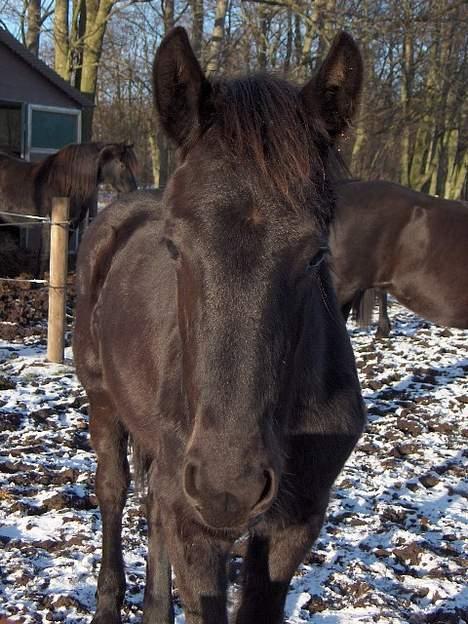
34 26
413 125
31 16
198 17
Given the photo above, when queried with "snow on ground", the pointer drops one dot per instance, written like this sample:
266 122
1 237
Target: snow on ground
391 550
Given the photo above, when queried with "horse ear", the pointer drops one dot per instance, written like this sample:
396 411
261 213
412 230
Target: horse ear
107 152
336 88
179 86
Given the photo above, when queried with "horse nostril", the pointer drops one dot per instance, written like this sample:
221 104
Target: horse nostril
268 484
191 480
268 492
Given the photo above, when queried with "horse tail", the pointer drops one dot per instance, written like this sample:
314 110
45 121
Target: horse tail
363 307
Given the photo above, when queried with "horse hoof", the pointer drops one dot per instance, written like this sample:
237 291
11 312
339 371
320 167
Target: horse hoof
106 617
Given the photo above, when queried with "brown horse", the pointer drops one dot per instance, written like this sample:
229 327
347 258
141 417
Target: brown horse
75 172
207 329
410 244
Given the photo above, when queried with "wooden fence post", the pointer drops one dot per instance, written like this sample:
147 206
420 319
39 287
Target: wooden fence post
57 278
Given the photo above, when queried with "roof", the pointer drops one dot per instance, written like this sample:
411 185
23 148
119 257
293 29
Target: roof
49 74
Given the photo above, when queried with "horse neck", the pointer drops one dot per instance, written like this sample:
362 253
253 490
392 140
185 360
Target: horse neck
74 176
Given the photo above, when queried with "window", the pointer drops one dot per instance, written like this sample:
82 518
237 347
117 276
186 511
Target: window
10 128
50 129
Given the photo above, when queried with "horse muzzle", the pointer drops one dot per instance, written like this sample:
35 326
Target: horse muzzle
234 505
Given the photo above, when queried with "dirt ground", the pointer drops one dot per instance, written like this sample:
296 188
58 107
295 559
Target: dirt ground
392 549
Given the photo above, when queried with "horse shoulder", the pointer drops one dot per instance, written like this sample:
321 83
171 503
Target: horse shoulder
108 232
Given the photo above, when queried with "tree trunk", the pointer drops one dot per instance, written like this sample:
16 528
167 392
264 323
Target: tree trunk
457 165
154 151
297 40
405 100
356 157
216 38
61 40
289 44
312 29
197 26
326 25
77 36
97 15
164 162
34 26
262 42
168 14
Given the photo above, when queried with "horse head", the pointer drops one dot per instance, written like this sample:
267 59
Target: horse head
118 166
247 210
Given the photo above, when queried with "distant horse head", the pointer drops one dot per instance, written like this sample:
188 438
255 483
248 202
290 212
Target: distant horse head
248 210
118 167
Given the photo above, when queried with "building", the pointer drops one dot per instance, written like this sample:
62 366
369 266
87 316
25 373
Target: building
39 112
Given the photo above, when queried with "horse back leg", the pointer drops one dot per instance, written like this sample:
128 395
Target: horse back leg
384 326
158 608
346 310
271 561
109 439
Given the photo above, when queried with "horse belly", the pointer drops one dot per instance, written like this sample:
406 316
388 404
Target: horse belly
437 296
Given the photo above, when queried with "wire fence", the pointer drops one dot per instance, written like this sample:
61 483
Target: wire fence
23 279
23 216
58 229
34 220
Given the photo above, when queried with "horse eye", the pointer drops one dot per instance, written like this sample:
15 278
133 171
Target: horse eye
172 249
317 260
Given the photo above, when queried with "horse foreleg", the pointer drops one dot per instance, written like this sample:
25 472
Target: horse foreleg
200 566
272 559
109 440
158 607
